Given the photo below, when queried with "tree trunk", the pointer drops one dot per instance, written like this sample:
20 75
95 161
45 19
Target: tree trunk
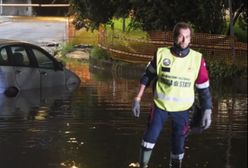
123 24
235 18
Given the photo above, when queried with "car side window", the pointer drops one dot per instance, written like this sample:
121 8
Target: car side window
43 60
4 59
20 56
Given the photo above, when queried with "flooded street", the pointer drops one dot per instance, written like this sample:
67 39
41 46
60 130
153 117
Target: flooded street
93 127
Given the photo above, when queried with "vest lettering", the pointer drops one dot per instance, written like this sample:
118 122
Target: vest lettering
174 89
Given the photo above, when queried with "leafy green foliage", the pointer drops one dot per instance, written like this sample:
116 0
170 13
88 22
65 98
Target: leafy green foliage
221 70
99 53
207 16
90 14
240 31
64 49
239 9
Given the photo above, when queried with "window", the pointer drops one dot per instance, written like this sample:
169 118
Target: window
4 60
43 60
20 56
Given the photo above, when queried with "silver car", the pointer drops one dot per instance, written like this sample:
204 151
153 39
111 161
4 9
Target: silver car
26 66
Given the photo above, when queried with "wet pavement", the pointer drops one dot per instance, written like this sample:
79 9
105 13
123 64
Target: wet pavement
93 127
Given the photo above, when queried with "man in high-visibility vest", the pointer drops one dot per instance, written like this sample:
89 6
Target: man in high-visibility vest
177 71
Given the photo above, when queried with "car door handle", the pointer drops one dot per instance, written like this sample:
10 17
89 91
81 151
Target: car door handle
44 73
18 71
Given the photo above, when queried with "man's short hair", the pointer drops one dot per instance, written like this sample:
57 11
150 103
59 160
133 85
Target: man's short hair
178 27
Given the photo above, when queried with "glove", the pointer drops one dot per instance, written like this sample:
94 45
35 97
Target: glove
136 107
206 119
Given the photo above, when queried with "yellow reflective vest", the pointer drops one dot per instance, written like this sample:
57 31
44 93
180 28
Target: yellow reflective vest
174 89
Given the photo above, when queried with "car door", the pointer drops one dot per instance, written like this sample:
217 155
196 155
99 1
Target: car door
50 74
27 75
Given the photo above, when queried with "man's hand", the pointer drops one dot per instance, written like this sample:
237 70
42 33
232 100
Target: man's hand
206 119
136 107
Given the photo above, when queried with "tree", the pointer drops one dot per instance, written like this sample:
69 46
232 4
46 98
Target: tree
205 15
151 14
123 8
208 16
91 13
239 10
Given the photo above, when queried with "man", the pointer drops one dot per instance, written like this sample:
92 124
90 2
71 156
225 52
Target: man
176 70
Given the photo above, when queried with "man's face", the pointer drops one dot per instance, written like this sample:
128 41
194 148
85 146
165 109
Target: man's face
183 38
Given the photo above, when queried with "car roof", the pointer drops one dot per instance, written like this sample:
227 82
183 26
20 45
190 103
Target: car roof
4 42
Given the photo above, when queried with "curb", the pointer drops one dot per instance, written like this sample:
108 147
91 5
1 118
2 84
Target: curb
4 19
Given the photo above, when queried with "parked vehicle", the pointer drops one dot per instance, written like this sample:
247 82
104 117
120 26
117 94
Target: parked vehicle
26 66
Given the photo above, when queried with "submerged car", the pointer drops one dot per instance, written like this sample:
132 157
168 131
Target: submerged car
28 103
26 66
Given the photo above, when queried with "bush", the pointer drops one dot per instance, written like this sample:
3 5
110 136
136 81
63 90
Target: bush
64 49
99 53
223 70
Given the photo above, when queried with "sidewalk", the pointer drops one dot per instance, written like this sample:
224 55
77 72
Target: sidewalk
5 19
33 18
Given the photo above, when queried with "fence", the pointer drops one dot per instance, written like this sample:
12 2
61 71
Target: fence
219 47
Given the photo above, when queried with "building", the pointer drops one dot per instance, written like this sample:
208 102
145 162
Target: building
33 8
14 10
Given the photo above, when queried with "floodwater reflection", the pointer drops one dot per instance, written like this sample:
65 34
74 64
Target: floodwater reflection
93 127
33 104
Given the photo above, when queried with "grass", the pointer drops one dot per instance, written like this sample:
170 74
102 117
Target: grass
91 37
64 48
99 53
88 37
132 32
85 37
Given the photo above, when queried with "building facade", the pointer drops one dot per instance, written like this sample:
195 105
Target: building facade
16 10
28 10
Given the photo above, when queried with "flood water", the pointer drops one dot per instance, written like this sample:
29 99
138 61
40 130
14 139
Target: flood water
93 127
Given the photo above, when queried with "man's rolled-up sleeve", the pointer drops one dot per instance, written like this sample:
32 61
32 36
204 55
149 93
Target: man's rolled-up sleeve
149 74
203 87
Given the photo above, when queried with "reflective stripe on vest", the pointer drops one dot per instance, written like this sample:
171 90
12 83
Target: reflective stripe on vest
176 78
